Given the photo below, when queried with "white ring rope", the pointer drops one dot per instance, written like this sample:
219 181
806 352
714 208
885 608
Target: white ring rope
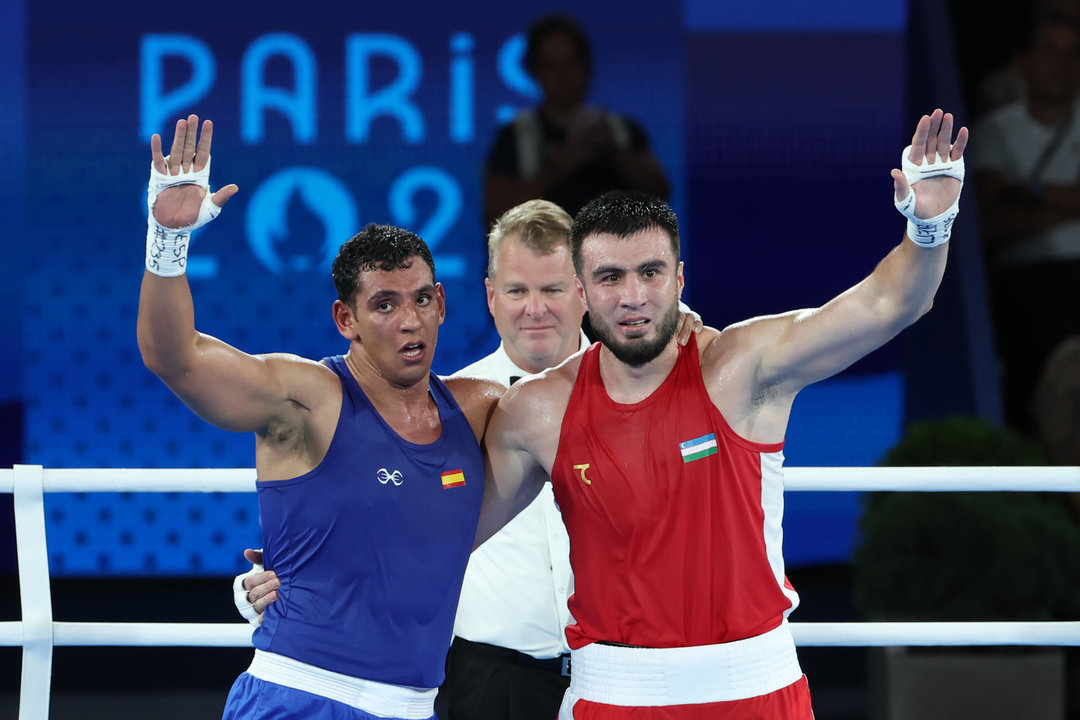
807 634
916 479
888 634
141 480
38 634
934 479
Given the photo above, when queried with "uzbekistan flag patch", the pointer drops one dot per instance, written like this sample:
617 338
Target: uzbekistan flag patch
698 448
453 478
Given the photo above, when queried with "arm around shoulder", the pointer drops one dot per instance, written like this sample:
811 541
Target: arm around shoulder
522 432
477 398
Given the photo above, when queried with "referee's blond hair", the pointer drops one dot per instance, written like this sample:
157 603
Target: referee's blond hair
540 225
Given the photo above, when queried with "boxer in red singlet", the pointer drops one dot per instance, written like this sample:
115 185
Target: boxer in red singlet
666 461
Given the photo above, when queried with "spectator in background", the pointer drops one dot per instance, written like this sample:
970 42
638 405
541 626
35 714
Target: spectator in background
566 150
1027 163
1008 84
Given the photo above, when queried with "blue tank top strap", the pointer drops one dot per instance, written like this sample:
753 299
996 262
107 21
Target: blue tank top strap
349 387
444 399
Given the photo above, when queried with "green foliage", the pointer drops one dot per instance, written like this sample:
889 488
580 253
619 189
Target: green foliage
966 556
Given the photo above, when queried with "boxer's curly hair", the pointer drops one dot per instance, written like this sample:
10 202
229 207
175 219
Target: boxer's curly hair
376 247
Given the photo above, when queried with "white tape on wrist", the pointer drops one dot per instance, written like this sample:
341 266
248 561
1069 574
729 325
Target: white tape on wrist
929 232
240 597
167 248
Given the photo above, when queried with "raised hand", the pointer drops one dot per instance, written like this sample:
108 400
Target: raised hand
179 206
931 145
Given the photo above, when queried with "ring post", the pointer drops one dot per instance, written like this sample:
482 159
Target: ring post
36 599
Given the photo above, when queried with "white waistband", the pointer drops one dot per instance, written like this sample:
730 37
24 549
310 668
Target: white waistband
375 698
649 677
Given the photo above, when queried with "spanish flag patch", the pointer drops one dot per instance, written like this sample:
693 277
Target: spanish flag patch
453 478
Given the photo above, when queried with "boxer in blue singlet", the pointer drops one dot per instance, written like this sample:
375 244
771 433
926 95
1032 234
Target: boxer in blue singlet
369 467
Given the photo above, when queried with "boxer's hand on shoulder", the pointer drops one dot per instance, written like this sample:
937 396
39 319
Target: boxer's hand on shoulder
689 322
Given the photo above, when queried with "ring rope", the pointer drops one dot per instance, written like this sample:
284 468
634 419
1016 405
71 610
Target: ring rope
807 634
916 479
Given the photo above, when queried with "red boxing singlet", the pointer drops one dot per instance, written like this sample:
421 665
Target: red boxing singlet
674 519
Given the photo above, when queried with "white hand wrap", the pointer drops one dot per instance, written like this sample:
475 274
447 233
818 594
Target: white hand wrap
167 248
240 597
934 231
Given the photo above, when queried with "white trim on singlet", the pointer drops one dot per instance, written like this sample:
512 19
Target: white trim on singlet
772 505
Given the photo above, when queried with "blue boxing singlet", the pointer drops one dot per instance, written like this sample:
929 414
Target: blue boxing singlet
371 545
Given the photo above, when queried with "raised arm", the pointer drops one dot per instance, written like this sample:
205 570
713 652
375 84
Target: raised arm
223 385
805 346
